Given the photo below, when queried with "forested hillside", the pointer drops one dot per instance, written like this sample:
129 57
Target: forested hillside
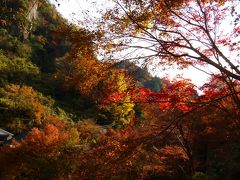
75 117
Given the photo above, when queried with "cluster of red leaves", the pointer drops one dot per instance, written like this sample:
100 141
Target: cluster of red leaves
114 97
223 93
179 94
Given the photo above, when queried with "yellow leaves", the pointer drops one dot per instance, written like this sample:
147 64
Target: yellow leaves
24 98
26 107
116 100
19 66
81 71
40 39
39 111
73 138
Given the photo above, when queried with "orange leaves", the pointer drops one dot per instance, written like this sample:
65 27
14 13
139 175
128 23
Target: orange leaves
25 101
98 81
46 142
82 73
26 108
79 69
50 135
58 123
39 113
175 152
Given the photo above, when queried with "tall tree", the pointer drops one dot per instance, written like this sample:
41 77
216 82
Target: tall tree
185 32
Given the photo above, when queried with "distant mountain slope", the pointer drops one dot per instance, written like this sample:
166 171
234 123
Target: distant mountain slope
143 77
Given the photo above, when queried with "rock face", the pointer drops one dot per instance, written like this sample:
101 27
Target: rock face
32 14
32 10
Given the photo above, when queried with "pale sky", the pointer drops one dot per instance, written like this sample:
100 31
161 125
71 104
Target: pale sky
75 10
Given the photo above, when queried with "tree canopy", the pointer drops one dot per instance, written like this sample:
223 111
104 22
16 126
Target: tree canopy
77 117
184 33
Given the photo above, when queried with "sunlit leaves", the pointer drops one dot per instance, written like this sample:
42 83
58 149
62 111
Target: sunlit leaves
181 33
18 67
44 141
22 107
179 94
117 100
23 100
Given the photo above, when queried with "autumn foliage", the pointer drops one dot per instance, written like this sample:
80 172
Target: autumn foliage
88 119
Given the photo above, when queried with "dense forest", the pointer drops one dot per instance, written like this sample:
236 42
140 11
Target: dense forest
73 116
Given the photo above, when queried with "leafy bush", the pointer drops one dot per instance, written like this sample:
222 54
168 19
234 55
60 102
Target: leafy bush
17 69
22 108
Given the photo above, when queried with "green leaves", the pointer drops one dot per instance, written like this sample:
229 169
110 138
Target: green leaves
17 69
22 107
